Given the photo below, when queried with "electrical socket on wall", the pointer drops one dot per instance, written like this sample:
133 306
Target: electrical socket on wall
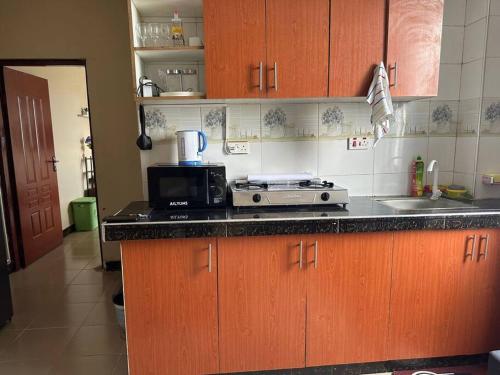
237 147
359 143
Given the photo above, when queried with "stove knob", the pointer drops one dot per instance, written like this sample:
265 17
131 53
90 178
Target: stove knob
256 198
325 197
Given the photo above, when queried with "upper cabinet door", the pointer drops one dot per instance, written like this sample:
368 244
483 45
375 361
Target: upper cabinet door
357 45
235 48
414 46
297 48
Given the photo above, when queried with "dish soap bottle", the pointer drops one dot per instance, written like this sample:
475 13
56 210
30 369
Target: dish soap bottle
417 177
177 31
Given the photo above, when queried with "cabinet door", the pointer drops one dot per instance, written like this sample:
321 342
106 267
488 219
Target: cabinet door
484 333
357 45
348 298
171 306
414 46
261 304
297 45
432 294
235 48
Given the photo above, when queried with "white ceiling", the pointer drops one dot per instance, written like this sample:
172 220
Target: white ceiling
158 8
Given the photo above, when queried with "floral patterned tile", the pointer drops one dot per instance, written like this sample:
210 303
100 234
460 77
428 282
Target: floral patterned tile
213 122
337 120
443 118
412 119
468 117
243 122
163 121
490 120
289 122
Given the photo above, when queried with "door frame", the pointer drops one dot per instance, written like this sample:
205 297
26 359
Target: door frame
8 185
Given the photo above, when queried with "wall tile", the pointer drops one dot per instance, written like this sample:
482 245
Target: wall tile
335 159
412 119
490 119
464 179
388 184
243 122
358 185
488 160
454 12
343 120
213 122
289 157
465 155
394 155
476 9
495 7
289 121
163 121
474 41
452 45
443 118
442 149
471 81
237 166
449 82
493 45
468 117
492 77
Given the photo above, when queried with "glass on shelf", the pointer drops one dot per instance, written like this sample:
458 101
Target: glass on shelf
153 34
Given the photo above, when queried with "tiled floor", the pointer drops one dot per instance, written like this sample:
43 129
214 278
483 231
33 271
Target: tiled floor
64 321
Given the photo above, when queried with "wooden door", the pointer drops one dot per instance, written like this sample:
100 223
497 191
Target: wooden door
297 46
484 329
432 294
414 46
235 48
171 306
357 44
348 294
30 127
262 309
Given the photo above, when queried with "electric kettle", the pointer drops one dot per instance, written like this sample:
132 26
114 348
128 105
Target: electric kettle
190 145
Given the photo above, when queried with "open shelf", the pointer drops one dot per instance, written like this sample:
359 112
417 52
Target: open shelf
170 54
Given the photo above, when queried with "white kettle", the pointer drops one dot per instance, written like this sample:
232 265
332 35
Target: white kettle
190 145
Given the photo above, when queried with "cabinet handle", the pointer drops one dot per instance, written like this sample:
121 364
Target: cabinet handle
485 254
275 87
209 257
395 68
467 254
316 254
261 84
300 254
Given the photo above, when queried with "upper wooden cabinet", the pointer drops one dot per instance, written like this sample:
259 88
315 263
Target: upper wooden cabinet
297 48
235 48
357 45
294 63
348 294
414 46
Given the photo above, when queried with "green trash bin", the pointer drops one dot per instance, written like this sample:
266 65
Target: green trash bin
84 213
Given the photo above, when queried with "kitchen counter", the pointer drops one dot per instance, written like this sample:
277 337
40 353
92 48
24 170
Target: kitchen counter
363 214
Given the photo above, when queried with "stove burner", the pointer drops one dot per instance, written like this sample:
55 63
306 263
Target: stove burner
251 185
316 185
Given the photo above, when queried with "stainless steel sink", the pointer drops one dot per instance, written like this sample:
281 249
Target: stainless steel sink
424 204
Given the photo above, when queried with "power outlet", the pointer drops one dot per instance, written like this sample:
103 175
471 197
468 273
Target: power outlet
238 147
359 143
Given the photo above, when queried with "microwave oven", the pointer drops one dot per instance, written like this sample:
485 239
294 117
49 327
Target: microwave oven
174 186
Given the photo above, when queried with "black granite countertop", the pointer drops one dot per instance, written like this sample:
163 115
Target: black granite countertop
137 221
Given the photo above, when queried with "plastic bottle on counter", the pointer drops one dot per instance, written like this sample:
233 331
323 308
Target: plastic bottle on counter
417 177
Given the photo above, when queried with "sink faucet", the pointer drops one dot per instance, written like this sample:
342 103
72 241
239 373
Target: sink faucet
434 168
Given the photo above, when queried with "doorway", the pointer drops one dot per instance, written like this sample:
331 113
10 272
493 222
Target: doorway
46 154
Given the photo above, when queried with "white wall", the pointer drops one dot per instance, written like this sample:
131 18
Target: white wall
68 94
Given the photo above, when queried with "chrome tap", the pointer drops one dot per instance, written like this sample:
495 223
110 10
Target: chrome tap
434 168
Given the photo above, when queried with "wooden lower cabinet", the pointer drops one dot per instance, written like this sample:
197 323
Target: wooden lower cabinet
171 306
348 292
262 309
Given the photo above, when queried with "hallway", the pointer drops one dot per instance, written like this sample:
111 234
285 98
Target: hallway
64 321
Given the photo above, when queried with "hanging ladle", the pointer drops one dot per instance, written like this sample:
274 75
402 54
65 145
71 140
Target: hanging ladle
143 142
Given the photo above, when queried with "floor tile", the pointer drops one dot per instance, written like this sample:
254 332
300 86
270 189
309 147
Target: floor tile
7 337
95 263
83 293
86 365
39 367
63 315
94 276
103 313
97 340
121 367
39 344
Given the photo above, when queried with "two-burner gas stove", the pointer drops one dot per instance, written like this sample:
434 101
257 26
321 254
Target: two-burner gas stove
300 193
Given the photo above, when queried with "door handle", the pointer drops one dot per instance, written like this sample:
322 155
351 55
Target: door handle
209 257
316 254
54 161
485 254
301 248
261 82
395 68
471 254
275 68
